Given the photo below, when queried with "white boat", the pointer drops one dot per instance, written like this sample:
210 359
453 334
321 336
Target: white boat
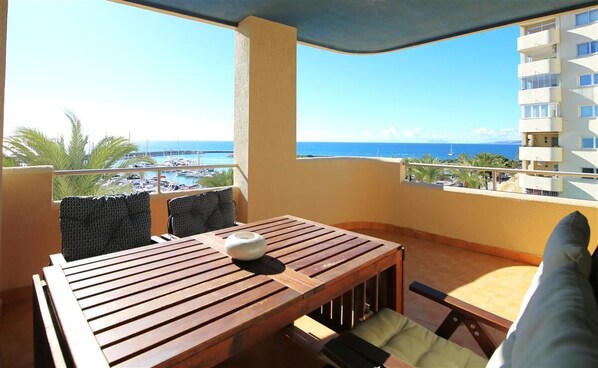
451 153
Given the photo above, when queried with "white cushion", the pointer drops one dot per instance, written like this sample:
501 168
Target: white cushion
558 320
559 327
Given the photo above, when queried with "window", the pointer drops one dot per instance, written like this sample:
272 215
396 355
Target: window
538 27
540 81
537 111
589 170
541 192
586 17
587 48
590 111
588 80
589 142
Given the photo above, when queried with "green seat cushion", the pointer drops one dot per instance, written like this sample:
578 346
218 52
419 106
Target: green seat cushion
413 343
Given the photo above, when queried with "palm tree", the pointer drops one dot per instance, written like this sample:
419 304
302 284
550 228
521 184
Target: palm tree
427 174
485 159
31 147
219 179
469 178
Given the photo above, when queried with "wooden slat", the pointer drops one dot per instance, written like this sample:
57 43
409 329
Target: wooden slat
377 356
314 247
148 281
387 289
267 316
337 304
140 253
153 304
123 269
104 283
168 311
46 344
83 346
124 254
330 258
223 311
302 241
57 259
359 301
462 307
381 257
293 279
265 225
348 308
344 356
321 252
290 233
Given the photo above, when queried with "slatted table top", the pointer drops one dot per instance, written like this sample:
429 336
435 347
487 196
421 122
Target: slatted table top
186 301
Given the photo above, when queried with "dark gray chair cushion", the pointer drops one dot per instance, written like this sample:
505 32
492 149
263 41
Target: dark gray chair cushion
201 213
93 226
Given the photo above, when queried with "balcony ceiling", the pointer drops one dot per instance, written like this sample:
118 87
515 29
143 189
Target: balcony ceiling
370 26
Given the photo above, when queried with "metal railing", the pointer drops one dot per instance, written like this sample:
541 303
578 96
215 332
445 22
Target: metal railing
499 170
157 169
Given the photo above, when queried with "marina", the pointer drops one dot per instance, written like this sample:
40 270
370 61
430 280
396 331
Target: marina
187 170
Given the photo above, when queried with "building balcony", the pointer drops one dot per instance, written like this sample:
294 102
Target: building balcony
545 154
541 183
540 95
546 66
539 41
543 125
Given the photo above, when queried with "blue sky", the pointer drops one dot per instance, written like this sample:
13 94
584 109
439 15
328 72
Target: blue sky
132 72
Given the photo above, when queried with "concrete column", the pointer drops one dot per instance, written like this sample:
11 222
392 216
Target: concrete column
265 115
3 27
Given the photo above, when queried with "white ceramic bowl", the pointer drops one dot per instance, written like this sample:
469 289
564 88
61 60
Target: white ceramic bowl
245 246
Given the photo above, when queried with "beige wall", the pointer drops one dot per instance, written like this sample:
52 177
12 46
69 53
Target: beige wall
505 220
31 224
265 109
30 218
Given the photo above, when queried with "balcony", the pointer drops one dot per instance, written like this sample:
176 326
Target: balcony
353 193
543 125
539 41
546 154
541 183
540 95
546 66
406 212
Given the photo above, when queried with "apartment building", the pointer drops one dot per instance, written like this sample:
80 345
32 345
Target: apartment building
559 103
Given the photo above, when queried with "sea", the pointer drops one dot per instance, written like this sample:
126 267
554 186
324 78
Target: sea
328 149
168 150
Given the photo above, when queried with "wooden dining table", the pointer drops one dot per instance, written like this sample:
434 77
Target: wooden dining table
186 303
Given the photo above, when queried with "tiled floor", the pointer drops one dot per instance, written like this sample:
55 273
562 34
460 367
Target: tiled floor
492 283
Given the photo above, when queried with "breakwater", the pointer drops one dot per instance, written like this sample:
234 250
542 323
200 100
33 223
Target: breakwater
175 153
